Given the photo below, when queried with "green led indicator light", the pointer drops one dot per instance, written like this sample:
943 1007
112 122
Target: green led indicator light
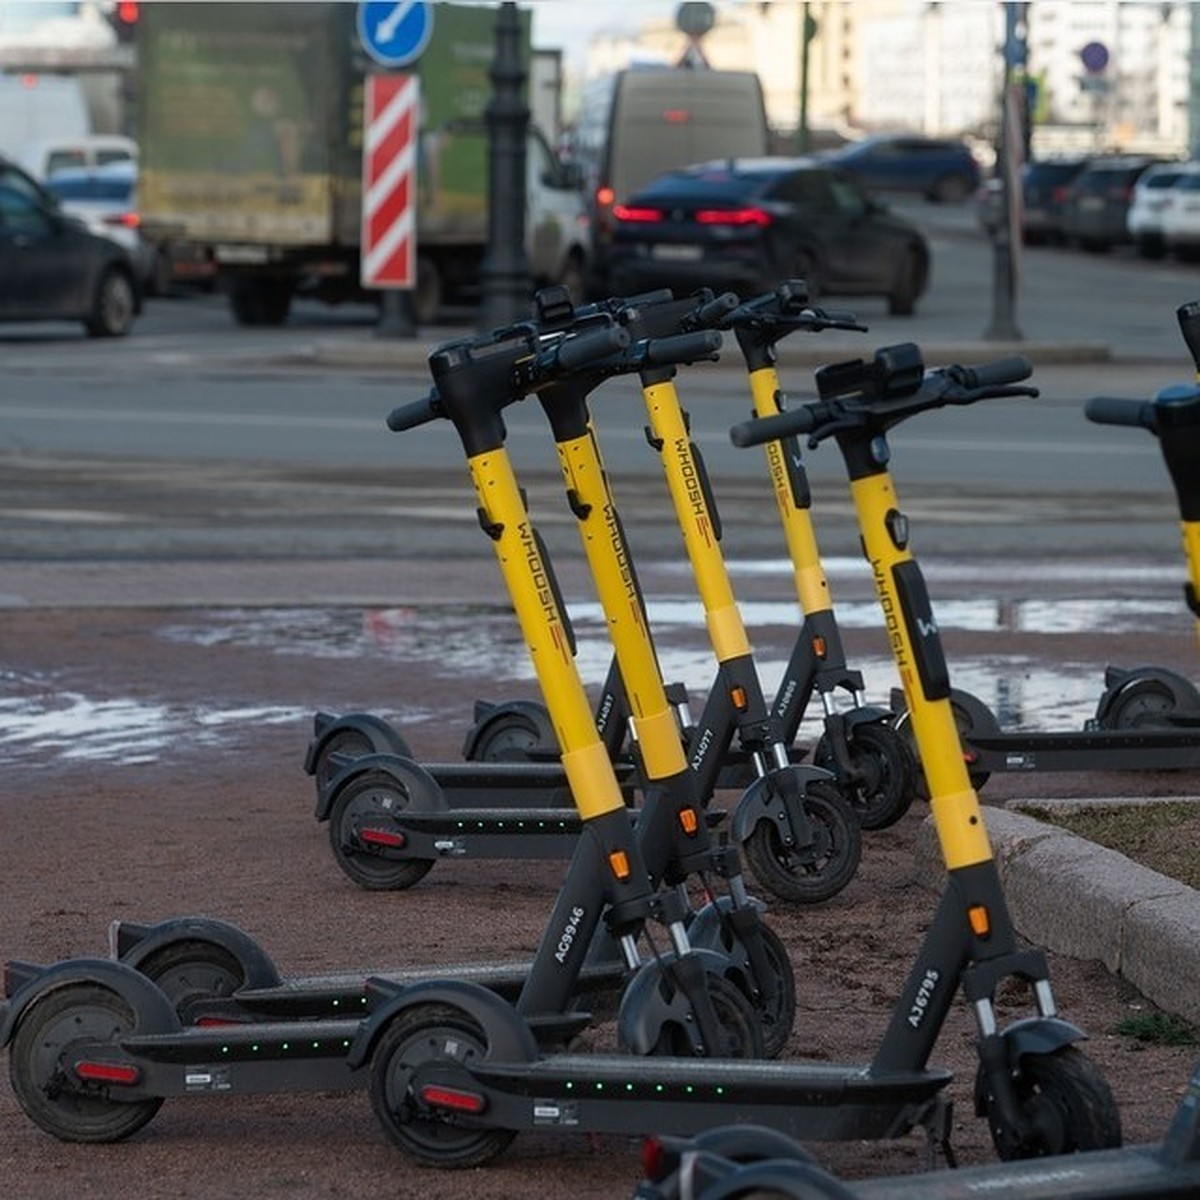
284 1046
570 1086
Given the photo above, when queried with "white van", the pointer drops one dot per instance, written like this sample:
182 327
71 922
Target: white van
640 122
42 158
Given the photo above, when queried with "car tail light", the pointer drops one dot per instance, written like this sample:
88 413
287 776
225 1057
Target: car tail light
1058 194
623 212
733 216
127 220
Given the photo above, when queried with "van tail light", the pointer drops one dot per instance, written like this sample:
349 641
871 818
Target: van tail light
733 216
602 220
649 216
1059 193
127 220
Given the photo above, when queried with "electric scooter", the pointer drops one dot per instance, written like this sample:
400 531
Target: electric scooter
96 1045
1151 695
1038 1091
742 1161
455 1072
802 839
1148 717
871 761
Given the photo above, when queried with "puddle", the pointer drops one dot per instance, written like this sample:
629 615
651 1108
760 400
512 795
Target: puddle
37 718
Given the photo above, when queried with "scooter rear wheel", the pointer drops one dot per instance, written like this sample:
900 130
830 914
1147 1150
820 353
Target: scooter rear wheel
369 802
428 1034
348 744
40 1065
884 768
739 1023
192 970
810 874
1067 1100
1142 702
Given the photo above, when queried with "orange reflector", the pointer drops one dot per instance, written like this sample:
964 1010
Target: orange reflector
444 1097
738 696
383 837
689 821
981 923
618 860
818 646
103 1072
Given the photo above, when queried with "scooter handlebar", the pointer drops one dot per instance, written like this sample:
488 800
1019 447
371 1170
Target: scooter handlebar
416 412
581 350
770 429
1116 410
999 373
682 348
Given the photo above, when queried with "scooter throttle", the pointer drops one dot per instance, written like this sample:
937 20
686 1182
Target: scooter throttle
1116 410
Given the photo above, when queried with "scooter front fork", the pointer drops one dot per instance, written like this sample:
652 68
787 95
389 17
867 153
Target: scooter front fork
795 829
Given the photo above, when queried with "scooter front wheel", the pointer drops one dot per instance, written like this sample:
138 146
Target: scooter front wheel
362 827
738 1020
883 768
808 874
1067 1101
422 1037
41 1067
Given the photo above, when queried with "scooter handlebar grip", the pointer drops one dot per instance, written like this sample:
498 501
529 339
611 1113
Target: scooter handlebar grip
997 374
682 348
771 429
418 412
584 348
716 309
1117 410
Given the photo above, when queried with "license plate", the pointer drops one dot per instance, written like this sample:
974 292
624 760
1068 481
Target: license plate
1091 203
671 252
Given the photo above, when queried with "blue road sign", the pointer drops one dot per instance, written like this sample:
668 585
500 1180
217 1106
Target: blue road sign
1095 57
395 32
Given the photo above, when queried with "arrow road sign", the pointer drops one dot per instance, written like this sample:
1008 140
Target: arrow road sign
395 32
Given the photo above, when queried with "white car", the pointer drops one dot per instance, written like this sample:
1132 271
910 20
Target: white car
1154 196
1181 215
103 198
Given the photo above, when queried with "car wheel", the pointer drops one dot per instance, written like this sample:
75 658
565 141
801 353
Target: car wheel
902 299
114 305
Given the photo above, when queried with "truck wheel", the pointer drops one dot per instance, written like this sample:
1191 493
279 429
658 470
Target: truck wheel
260 301
427 296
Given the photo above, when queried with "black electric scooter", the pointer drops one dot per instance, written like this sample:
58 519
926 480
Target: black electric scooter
734 1161
96 1045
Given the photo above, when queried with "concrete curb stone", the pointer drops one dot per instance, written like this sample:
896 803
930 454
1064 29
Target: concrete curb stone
1074 897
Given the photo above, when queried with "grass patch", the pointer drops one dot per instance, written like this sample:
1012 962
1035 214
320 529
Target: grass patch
1157 1028
1164 837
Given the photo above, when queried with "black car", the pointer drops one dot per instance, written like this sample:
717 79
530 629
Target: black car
1096 209
940 169
53 268
746 224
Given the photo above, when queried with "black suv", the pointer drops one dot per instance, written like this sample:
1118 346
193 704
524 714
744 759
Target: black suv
1097 202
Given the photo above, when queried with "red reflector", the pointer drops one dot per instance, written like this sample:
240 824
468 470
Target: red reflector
653 1159
624 213
444 1097
676 116
733 216
104 1072
383 837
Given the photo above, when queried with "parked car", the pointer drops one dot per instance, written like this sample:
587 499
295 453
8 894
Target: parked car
1096 208
942 169
103 198
52 267
1044 186
746 224
1181 216
1155 197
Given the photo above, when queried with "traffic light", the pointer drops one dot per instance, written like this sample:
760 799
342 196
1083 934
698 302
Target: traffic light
123 17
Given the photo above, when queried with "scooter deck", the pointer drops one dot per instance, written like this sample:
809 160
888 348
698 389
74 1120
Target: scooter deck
615 1094
1156 748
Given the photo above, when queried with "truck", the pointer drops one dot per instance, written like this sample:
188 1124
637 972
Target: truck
250 123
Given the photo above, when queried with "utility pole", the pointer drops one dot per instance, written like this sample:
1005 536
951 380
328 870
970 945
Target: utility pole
808 30
1003 326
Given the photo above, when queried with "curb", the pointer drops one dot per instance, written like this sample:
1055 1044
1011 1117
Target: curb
377 353
1074 897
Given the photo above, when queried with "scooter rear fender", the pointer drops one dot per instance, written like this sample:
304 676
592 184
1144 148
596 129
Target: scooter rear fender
408 774
133 944
384 738
155 1013
508 1036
